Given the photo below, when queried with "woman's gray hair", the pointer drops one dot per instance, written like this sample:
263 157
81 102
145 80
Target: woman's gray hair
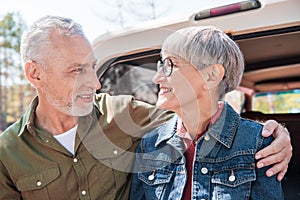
205 46
36 43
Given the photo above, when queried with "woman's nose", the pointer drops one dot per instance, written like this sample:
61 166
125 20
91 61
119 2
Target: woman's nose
158 76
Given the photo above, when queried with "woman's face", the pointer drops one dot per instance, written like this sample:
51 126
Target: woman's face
183 87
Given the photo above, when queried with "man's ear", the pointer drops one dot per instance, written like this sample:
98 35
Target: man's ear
215 74
32 72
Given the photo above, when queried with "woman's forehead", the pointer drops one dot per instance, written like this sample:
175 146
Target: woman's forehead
173 56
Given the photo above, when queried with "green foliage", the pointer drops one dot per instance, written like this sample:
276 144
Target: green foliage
12 84
280 102
11 29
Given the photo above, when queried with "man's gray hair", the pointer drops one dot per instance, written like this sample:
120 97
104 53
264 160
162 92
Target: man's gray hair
36 43
205 46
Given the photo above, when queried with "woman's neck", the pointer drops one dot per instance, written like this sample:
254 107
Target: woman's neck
196 115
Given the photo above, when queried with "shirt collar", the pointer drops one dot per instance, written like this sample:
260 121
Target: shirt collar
28 117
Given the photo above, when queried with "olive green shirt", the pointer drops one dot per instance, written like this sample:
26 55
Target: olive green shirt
35 166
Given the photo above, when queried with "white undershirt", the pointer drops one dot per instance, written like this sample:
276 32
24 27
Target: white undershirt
67 139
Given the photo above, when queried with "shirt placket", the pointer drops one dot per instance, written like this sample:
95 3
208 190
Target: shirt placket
80 171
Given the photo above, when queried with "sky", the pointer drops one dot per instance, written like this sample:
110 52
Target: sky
94 15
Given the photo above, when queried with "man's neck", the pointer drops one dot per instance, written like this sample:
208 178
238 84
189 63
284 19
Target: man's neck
54 121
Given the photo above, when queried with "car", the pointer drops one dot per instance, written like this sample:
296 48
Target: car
268 34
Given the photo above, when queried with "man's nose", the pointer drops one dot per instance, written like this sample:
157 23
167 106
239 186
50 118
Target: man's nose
93 80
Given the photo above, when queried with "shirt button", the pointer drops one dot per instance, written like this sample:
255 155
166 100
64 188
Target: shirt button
38 183
75 160
83 192
206 137
204 170
115 152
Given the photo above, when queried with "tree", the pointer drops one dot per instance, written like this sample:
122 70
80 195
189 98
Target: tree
11 28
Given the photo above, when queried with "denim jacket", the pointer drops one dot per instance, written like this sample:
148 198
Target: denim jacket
224 165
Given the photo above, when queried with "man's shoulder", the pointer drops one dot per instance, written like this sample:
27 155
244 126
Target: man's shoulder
106 101
105 98
9 136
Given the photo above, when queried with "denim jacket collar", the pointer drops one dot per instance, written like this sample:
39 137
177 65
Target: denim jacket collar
166 131
223 130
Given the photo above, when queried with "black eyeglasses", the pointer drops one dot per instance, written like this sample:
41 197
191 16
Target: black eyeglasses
166 65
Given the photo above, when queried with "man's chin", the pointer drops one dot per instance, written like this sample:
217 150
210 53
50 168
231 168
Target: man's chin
82 111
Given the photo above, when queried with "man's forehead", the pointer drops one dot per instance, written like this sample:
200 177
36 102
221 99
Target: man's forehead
81 62
60 40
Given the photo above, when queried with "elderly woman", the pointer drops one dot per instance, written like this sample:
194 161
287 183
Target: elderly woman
206 151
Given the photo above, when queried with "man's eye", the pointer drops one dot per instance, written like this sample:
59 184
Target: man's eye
78 70
94 66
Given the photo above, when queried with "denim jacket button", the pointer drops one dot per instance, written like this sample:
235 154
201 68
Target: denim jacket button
231 178
204 170
151 177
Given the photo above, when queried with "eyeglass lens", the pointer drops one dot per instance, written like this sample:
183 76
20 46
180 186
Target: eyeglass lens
166 65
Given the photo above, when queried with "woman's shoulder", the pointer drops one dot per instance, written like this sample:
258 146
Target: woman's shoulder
251 132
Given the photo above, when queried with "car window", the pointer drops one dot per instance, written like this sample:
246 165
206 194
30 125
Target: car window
277 102
132 80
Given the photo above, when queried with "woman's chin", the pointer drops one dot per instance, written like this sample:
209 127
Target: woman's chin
164 106
161 105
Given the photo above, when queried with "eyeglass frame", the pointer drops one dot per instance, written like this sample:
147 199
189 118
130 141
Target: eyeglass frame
167 69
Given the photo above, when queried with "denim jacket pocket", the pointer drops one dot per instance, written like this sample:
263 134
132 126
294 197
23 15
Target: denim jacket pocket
155 177
155 182
234 176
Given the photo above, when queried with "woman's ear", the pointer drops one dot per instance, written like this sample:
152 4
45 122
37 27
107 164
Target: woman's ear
215 74
32 72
